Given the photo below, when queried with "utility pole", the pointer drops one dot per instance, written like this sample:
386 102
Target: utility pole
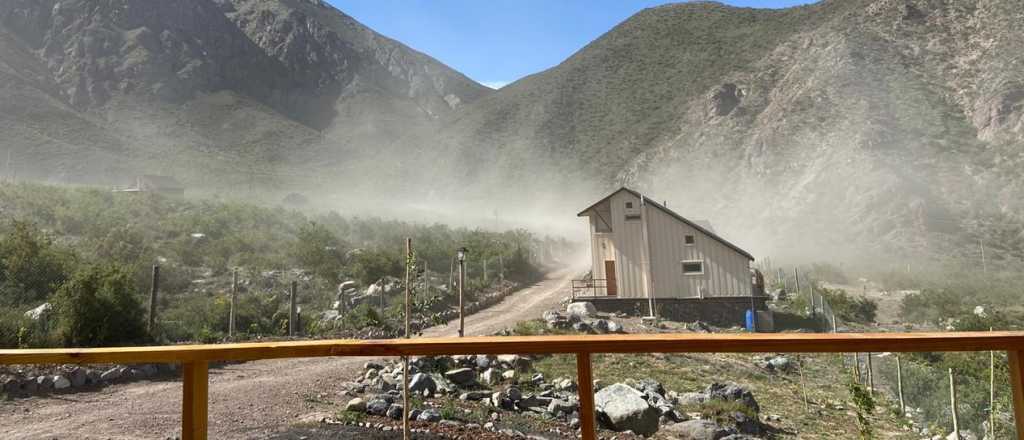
462 280
153 292
984 266
292 328
231 313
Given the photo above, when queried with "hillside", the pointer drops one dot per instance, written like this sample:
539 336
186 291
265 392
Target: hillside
865 127
94 91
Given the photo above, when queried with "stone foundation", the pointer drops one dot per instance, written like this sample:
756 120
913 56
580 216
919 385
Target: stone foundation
717 311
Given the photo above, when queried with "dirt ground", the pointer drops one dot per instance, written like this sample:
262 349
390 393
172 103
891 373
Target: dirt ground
249 400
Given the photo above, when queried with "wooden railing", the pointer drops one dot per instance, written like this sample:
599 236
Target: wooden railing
195 358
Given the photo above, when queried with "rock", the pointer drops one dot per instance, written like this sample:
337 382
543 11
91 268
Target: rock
111 374
450 423
356 405
315 418
964 435
429 415
581 327
377 407
510 375
415 414
490 377
515 362
622 408
78 376
395 412
44 383
371 374
565 385
574 423
93 377
423 384
734 392
61 382
724 100
474 396
483 362
581 310
697 430
372 365
692 399
10 385
514 394
600 326
746 424
537 379
614 327
559 407
461 377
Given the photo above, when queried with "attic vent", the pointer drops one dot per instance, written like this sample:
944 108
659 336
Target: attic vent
689 240
632 217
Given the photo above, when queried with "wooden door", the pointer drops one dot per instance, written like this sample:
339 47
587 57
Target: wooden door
609 276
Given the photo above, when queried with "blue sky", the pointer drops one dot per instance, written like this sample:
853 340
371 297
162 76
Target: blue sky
499 41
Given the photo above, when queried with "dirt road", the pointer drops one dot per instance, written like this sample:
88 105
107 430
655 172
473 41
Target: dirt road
247 400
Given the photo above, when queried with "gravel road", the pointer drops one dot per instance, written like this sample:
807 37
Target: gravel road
249 400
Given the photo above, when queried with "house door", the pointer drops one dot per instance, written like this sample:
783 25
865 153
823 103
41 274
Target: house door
612 285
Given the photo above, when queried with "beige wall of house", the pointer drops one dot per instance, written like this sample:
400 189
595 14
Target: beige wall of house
725 271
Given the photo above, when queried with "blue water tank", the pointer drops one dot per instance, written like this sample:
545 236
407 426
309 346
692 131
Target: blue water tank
750 321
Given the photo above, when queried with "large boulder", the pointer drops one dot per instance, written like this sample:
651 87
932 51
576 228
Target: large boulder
732 392
429 415
423 384
461 377
581 310
622 408
697 430
377 407
356 405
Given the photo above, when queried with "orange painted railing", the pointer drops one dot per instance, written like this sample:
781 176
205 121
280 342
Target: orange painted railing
195 358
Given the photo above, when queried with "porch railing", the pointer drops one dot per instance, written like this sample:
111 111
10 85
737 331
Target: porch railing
196 358
589 287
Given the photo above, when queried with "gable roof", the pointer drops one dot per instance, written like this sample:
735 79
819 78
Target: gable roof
161 182
663 208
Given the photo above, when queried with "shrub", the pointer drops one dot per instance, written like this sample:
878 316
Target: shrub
31 267
849 308
97 307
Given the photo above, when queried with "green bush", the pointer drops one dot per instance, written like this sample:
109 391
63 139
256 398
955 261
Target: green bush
849 308
31 267
97 307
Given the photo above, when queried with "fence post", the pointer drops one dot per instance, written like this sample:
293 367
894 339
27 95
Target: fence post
588 413
952 404
194 400
899 386
231 313
291 310
871 377
153 291
405 359
856 367
1016 359
992 393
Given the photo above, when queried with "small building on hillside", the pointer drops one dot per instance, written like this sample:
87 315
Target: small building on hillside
165 185
644 255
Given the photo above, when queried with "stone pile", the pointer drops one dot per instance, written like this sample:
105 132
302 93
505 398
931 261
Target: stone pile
581 317
69 378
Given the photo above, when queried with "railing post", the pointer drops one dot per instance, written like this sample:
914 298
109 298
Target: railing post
194 400
585 378
1017 380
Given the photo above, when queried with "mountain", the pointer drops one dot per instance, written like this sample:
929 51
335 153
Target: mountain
840 130
94 90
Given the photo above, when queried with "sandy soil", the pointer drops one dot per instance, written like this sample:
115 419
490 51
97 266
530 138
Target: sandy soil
249 400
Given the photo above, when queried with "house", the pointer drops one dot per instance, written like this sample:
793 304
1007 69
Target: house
646 257
165 185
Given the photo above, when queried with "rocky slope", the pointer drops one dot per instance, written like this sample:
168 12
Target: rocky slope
166 85
847 128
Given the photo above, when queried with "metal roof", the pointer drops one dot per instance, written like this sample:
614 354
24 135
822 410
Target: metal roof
672 213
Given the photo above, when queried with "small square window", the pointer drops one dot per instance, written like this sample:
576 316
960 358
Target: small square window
689 240
695 267
629 205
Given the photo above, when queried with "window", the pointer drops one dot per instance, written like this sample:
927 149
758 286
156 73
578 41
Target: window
693 267
629 205
689 240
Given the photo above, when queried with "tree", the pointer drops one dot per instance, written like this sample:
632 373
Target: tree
96 307
370 265
30 265
319 250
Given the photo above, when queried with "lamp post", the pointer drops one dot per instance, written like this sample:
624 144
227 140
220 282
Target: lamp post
461 256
